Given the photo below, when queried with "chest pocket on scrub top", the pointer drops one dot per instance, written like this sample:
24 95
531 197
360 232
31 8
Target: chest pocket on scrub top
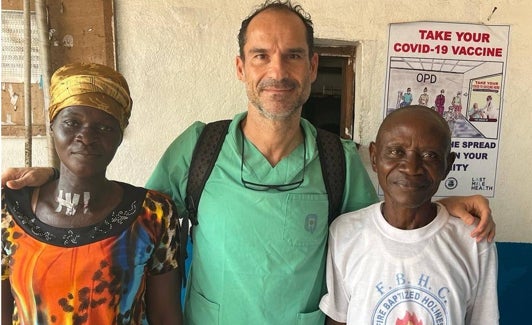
306 218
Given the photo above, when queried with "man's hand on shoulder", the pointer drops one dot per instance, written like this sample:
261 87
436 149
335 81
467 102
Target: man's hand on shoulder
17 178
473 209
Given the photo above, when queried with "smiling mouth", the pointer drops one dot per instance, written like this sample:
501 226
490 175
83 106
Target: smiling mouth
273 85
86 154
412 186
277 90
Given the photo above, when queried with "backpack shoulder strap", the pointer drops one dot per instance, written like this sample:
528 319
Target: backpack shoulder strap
332 159
203 159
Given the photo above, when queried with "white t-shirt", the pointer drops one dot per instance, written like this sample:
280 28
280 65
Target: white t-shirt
437 274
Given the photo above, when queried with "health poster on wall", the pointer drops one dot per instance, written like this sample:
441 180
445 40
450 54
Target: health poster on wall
457 70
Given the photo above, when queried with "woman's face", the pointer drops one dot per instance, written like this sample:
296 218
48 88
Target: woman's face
86 139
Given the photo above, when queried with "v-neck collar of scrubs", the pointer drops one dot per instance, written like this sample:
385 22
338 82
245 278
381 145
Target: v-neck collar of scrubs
258 169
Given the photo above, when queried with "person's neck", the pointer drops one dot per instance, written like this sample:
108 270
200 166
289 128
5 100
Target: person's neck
275 139
408 218
73 201
97 184
94 191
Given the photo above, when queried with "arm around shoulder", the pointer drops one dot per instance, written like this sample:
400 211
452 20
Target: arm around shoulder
17 178
171 172
473 209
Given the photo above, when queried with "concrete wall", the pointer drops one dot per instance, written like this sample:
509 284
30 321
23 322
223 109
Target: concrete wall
179 58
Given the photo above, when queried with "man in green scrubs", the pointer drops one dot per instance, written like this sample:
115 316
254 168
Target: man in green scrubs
259 248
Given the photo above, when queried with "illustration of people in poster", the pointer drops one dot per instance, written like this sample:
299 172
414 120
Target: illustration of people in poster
459 71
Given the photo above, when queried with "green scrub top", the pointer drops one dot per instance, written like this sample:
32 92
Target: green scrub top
259 256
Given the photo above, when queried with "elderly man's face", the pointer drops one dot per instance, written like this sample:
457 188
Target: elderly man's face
411 157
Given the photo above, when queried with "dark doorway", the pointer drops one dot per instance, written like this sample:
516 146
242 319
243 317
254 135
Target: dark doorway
325 102
330 105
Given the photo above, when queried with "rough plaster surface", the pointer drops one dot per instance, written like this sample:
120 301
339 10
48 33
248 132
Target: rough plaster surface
179 59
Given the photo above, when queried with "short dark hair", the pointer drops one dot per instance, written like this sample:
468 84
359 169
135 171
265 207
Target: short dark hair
278 5
439 118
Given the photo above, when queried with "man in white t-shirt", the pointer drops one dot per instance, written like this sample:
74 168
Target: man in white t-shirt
405 260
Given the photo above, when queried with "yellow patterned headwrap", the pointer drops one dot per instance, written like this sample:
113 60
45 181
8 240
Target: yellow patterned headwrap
93 85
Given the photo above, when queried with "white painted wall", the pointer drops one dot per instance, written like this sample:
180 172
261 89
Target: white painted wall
179 56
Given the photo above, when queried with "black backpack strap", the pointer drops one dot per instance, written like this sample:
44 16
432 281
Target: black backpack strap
207 149
203 159
332 159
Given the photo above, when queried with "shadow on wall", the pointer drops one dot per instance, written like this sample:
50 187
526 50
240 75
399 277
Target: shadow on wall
515 282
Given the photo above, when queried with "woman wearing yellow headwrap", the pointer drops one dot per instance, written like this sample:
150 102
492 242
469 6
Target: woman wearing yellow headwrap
84 249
